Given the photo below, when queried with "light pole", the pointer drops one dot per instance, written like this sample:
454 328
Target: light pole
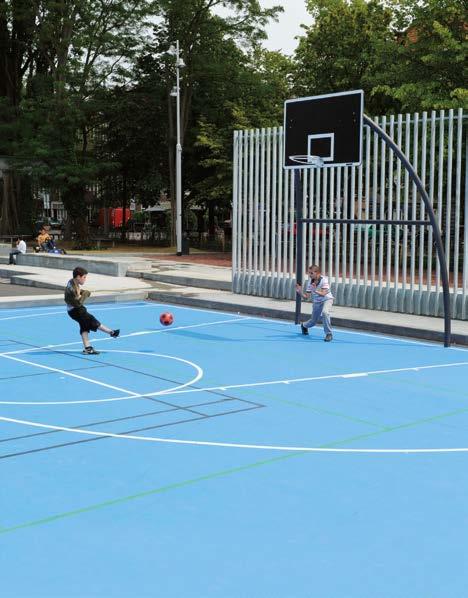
176 93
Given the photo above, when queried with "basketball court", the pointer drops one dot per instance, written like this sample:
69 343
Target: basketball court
228 456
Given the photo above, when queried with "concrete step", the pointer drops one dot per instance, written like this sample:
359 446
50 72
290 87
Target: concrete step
97 265
181 280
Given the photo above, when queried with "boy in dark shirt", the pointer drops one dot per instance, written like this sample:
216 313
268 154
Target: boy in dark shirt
74 298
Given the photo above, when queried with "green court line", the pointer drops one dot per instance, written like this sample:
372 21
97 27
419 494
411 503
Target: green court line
160 490
318 410
219 474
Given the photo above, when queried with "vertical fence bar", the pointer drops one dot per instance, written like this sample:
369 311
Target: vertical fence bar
432 169
456 244
323 257
235 206
250 206
448 207
374 213
261 264
305 207
405 214
359 234
331 230
413 209
292 226
368 137
381 229
273 210
279 221
440 190
351 213
256 209
310 227
465 234
268 209
396 281
422 231
285 225
244 205
389 211
338 226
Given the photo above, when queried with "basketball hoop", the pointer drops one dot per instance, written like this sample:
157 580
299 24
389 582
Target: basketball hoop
307 160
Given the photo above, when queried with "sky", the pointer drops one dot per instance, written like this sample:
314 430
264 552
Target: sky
281 35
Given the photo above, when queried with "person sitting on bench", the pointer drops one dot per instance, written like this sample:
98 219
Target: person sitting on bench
20 248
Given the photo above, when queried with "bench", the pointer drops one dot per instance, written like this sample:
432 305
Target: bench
102 240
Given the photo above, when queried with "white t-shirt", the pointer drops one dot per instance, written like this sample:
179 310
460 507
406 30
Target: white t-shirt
323 285
21 246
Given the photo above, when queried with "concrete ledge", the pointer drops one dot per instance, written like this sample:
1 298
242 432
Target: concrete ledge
97 265
50 300
184 281
282 314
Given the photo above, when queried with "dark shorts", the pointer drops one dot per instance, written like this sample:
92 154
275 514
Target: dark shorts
86 320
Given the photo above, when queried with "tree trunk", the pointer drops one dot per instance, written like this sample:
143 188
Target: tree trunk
74 201
10 190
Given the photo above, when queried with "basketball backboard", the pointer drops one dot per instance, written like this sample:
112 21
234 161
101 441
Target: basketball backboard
323 130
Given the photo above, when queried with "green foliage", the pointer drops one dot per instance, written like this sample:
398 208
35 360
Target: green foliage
407 55
424 66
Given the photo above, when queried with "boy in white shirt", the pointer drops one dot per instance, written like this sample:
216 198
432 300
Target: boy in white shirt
20 248
322 300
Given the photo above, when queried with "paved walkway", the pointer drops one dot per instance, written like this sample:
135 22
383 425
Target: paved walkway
208 286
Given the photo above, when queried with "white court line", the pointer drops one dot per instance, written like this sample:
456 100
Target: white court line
140 333
132 395
64 311
313 378
305 449
226 387
401 339
71 375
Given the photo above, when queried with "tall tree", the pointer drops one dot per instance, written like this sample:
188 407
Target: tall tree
77 48
424 65
197 27
337 52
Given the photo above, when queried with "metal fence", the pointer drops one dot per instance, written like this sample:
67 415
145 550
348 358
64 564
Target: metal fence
385 267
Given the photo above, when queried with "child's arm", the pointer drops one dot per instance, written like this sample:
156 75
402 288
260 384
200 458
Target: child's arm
84 295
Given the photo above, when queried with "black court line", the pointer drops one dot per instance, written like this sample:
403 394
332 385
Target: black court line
160 378
66 444
91 367
118 419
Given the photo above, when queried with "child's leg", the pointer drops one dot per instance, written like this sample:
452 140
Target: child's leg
316 313
326 316
114 333
85 339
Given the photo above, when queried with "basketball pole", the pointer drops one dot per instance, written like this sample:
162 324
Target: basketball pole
435 228
299 236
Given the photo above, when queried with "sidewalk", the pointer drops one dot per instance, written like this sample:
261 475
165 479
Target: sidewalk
208 287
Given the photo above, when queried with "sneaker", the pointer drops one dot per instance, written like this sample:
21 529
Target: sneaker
90 351
304 330
115 333
328 338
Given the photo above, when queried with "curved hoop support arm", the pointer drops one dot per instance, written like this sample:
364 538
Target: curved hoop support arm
435 228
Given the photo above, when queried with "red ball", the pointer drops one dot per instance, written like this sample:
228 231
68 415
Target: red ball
166 318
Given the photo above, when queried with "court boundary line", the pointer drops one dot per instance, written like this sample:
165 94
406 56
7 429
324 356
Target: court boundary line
151 303
280 448
130 335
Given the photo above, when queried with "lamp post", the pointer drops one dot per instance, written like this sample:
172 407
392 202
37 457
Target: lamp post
174 50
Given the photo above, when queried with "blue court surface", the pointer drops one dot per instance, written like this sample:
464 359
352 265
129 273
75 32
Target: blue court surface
228 456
